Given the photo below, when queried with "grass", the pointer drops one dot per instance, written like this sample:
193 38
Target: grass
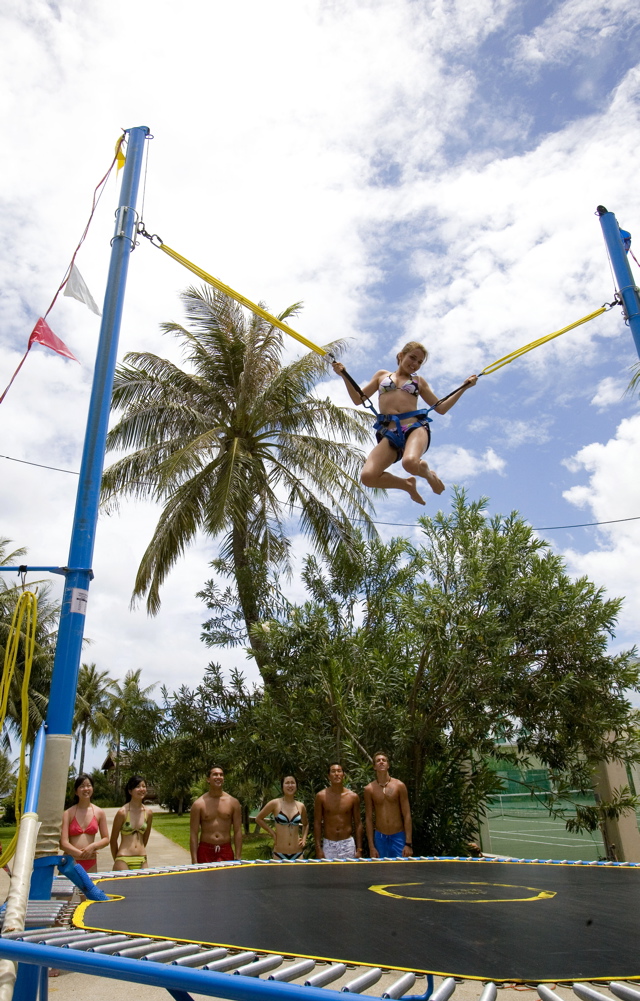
176 828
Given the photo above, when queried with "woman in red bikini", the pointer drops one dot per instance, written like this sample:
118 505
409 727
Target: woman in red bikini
407 438
81 824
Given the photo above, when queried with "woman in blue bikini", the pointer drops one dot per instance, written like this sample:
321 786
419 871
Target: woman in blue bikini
291 822
403 439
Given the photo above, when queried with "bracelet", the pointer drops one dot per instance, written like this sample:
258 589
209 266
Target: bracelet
408 844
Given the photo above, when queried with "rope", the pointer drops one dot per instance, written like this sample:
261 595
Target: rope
26 611
259 311
226 290
541 340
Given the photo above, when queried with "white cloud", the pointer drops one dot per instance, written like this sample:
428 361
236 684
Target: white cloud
612 491
610 391
571 26
457 464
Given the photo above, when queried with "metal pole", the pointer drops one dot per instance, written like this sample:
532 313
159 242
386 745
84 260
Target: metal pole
79 574
624 278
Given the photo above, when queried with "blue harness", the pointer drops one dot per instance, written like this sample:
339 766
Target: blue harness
395 435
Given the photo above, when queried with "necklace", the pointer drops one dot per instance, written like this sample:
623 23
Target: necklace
384 787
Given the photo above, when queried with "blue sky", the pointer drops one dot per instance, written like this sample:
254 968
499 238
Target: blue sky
424 170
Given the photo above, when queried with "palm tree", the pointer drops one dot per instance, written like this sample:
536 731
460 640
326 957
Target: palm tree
130 709
230 445
92 704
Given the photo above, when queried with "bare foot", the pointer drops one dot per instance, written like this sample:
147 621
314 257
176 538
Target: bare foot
434 482
412 491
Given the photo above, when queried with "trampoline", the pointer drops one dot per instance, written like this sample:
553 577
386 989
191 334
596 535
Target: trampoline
473 918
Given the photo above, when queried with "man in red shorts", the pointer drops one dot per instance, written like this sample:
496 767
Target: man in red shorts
212 817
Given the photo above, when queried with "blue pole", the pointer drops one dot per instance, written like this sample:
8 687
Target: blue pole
35 772
70 633
627 288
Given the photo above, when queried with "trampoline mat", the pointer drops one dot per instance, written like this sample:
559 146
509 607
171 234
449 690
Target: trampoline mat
478 919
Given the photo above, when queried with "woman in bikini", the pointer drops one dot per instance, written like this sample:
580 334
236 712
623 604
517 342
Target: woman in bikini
407 439
291 822
81 824
132 824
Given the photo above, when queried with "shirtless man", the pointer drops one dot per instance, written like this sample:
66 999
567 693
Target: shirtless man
388 799
337 810
215 813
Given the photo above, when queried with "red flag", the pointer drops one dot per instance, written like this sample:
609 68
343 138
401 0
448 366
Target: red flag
43 334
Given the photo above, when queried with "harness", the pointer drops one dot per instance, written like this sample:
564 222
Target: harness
397 436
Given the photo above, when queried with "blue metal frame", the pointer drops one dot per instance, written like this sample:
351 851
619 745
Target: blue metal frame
627 288
70 632
176 979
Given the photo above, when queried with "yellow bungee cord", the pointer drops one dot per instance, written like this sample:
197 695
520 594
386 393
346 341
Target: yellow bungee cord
259 311
23 624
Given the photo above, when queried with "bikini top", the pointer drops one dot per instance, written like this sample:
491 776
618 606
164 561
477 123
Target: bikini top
388 386
75 829
128 829
281 818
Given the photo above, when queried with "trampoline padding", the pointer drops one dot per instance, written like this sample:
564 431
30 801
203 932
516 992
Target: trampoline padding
478 919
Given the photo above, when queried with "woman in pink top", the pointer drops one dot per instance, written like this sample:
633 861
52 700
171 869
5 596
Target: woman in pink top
81 824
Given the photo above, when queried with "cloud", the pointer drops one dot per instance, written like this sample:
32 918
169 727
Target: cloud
610 391
458 464
612 491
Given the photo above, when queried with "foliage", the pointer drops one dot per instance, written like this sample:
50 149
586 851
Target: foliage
93 701
134 718
254 846
434 652
229 445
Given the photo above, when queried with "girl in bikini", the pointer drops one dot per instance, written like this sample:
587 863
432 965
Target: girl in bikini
132 823
291 822
81 824
407 439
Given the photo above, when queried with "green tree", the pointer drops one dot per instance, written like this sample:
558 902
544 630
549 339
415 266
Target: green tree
133 717
93 700
230 445
434 652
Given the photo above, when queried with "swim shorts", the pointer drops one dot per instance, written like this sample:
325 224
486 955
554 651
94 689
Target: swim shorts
215 853
389 845
339 849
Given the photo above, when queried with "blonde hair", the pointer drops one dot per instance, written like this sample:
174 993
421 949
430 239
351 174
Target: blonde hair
410 347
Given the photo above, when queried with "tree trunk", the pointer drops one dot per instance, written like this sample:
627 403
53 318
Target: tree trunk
82 750
245 582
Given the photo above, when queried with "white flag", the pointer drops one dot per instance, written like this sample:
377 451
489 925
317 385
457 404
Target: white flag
77 289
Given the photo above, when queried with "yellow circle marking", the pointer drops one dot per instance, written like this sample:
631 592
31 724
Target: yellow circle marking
381 888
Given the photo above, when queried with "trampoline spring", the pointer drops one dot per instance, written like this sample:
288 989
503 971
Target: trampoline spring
89 941
166 955
624 992
445 990
361 983
545 993
294 971
113 947
327 976
230 962
400 986
137 951
200 958
490 992
588 993
260 966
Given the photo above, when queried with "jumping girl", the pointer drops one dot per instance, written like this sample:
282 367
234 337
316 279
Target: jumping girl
404 436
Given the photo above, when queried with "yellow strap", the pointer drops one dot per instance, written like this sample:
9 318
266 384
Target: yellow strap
221 287
26 610
541 340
